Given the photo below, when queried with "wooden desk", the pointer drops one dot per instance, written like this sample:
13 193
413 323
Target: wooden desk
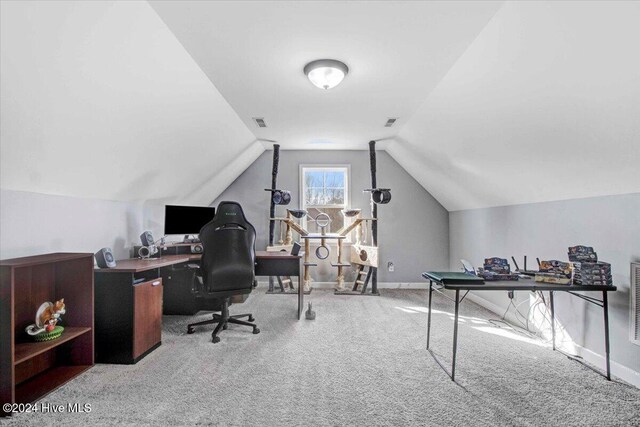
267 264
128 308
462 282
136 265
128 316
281 264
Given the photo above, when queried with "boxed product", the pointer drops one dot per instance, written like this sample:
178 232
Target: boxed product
553 271
592 273
497 265
593 282
552 278
556 267
496 269
582 253
491 276
592 267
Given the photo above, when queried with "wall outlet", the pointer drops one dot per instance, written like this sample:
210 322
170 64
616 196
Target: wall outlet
391 267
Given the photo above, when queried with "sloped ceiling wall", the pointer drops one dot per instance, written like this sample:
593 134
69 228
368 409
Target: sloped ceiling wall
99 99
254 53
543 105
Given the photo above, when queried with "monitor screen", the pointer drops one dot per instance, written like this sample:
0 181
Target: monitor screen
186 219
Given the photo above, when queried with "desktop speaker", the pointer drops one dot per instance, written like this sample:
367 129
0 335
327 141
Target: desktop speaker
197 248
144 252
146 238
105 259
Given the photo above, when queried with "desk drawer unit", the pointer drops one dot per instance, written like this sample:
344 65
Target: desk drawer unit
178 298
128 317
147 316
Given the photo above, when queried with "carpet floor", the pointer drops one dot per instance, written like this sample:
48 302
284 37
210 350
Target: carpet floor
361 362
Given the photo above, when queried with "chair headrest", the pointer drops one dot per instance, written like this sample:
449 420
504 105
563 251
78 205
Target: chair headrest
229 212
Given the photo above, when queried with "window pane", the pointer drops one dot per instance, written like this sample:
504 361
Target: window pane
314 196
334 196
313 178
334 179
322 187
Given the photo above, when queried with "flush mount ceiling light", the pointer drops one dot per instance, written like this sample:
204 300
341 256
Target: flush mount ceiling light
326 73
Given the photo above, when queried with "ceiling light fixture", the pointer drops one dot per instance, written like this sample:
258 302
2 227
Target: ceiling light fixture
326 73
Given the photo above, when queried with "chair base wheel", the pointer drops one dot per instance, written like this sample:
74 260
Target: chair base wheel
256 330
190 331
224 328
251 319
215 339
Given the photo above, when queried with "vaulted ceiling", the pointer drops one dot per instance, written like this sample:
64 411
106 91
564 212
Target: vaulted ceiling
499 103
543 105
254 53
100 100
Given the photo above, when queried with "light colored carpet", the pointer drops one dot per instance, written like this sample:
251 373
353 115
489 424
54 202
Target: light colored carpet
361 362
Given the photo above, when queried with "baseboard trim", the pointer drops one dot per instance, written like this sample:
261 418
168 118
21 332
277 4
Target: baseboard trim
484 303
621 371
381 285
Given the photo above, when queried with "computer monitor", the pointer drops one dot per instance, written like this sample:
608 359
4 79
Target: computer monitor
186 219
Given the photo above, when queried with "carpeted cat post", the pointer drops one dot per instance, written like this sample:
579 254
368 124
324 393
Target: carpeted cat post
272 207
374 214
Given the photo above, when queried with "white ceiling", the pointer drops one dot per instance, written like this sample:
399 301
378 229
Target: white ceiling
100 100
499 103
254 53
543 105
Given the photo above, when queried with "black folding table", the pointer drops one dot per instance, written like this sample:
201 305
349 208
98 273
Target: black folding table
466 282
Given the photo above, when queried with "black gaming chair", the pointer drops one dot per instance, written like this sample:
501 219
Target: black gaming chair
227 266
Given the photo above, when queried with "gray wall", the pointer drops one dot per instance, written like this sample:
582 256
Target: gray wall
413 228
610 224
33 223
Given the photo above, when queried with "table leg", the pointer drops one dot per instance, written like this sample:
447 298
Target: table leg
340 280
429 313
455 337
553 321
300 295
307 249
605 306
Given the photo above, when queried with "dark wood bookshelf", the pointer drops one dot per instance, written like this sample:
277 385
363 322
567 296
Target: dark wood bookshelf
30 370
42 384
27 350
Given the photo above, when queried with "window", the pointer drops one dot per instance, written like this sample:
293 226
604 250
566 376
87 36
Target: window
324 189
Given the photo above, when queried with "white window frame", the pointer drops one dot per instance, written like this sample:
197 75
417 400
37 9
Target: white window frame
347 193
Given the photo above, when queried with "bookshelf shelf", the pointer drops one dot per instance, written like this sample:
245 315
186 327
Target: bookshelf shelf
30 370
27 350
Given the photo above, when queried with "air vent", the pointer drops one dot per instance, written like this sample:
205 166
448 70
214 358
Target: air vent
634 333
390 122
260 122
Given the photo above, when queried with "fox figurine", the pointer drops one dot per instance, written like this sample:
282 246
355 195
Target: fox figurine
47 317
